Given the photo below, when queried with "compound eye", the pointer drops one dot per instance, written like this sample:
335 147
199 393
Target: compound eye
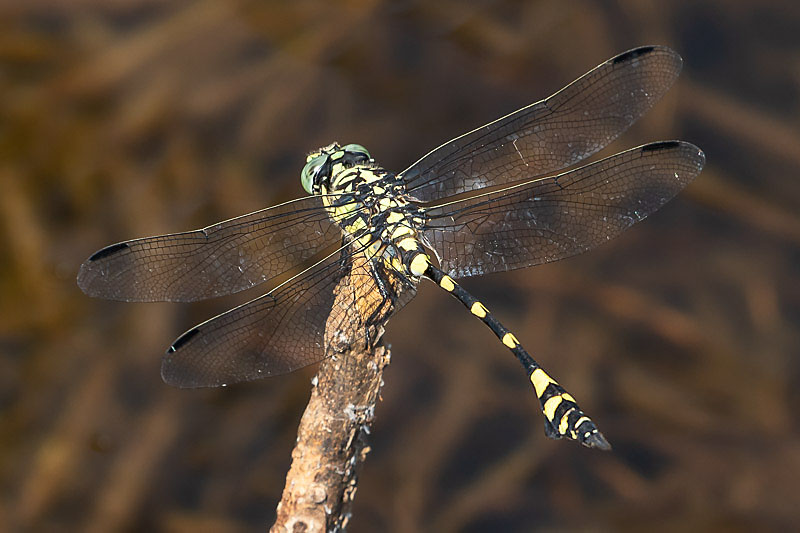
310 171
357 149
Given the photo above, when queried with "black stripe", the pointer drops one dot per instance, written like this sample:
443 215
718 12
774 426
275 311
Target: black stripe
527 361
583 425
661 145
551 390
561 410
183 339
109 250
435 274
632 54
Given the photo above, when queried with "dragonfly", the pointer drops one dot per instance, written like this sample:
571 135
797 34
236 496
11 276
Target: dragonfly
498 198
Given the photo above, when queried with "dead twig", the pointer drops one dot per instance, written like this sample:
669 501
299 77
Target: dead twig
331 444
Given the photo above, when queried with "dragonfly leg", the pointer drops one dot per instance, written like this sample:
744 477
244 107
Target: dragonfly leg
369 331
387 294
563 417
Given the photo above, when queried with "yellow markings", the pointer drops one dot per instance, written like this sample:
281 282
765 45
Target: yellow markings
550 407
357 225
397 264
346 208
409 243
447 284
343 180
479 310
581 420
386 203
342 211
510 340
564 424
552 404
337 155
401 230
369 177
378 189
365 241
419 264
394 217
540 381
374 249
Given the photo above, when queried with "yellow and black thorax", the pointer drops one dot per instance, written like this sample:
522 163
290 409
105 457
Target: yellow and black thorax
370 205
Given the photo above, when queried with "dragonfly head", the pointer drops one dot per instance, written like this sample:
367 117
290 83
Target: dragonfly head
320 164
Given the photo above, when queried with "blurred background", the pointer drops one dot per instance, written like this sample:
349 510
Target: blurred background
130 118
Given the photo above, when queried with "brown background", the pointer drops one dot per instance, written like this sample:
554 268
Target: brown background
128 118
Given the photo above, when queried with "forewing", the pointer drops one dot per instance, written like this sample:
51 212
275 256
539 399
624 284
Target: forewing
552 218
225 258
552 134
331 306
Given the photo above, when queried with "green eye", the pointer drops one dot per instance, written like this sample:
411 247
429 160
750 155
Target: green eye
310 172
357 148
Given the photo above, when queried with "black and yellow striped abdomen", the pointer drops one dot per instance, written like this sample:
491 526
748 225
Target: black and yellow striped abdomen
563 417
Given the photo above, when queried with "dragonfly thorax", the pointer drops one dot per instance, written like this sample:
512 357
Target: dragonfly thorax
376 215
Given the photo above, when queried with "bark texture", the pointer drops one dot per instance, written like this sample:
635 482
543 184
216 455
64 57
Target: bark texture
331 439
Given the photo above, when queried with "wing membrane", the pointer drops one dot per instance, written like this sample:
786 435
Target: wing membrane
333 303
548 219
551 134
224 258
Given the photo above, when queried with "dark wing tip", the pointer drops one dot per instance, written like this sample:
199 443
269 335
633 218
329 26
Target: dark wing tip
90 275
192 369
632 54
693 153
642 51
666 56
661 145
183 339
108 250
172 372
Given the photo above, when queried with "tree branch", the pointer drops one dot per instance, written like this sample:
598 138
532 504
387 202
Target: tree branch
331 439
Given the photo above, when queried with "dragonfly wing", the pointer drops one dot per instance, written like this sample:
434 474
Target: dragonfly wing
548 219
225 258
552 134
335 303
